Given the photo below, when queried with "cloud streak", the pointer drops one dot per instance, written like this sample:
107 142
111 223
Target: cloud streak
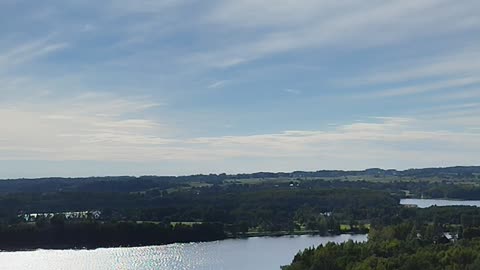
29 51
73 136
138 83
429 87
346 24
217 84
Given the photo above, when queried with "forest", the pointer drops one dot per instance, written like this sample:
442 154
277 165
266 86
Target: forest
148 210
406 246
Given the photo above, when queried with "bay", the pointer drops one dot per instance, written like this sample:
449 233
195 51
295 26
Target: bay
262 253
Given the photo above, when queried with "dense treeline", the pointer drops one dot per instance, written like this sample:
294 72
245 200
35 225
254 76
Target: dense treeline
324 202
213 213
13 203
237 210
57 233
418 240
405 246
280 209
466 192
166 202
132 184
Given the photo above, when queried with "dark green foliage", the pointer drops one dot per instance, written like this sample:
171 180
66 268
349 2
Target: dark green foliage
127 184
238 209
243 204
392 248
279 207
60 234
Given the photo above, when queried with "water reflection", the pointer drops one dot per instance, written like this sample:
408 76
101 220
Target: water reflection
425 203
261 253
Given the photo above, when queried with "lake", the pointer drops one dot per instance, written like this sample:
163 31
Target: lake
262 253
425 203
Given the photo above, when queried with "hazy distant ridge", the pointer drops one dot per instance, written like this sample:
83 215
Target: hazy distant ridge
132 184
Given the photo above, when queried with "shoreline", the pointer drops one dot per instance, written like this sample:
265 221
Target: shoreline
250 235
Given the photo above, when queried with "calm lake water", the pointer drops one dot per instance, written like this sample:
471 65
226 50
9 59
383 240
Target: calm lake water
424 203
262 253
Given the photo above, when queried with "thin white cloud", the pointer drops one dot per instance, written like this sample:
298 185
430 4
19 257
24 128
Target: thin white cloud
451 76
457 95
41 120
63 132
29 51
399 137
123 7
87 27
75 123
292 91
456 64
428 87
217 84
347 24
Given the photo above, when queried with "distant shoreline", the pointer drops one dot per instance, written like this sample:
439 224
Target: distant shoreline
247 236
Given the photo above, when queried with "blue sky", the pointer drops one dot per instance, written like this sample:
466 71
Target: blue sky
121 87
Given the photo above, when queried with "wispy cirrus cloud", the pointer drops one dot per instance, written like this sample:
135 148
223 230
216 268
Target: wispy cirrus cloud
451 75
29 51
367 24
217 84
456 64
66 136
292 91
135 83
70 128
429 87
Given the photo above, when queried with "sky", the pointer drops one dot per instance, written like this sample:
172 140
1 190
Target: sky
177 87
